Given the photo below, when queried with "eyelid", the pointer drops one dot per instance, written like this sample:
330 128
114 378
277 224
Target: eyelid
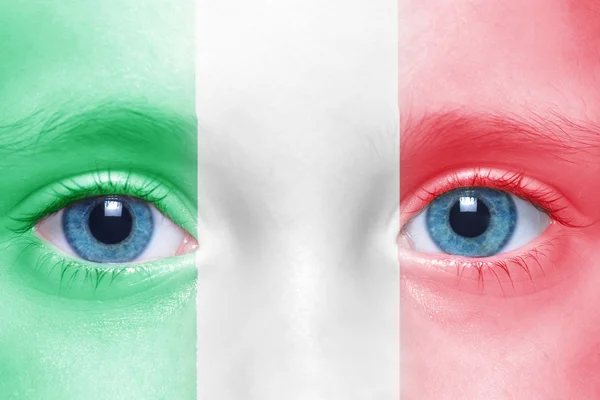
542 195
45 201
39 266
518 273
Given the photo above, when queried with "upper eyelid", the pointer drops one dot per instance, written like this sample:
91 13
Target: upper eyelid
178 208
118 281
562 209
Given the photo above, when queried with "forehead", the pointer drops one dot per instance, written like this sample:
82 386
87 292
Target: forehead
300 93
70 51
500 55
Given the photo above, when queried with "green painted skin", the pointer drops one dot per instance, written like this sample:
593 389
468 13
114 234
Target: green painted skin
95 91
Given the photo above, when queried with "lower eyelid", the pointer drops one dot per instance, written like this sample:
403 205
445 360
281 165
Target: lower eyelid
38 265
543 263
44 201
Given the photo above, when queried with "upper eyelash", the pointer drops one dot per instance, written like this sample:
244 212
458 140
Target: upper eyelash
74 192
545 200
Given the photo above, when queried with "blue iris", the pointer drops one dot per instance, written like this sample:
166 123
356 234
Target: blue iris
474 222
108 229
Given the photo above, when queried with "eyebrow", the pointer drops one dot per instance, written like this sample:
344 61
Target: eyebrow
112 122
448 131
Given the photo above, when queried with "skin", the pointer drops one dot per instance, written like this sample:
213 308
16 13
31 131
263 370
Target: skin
298 200
517 59
71 76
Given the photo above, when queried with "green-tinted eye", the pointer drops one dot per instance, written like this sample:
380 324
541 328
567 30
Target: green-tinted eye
100 246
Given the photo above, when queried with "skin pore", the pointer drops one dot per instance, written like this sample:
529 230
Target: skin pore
98 96
504 88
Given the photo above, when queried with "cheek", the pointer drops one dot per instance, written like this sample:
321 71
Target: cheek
581 345
545 345
583 373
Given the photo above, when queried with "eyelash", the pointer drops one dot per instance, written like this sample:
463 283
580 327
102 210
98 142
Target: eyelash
68 193
74 192
512 182
544 199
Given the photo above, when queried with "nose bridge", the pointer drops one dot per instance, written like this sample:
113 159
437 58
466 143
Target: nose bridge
292 323
301 307
293 316
302 271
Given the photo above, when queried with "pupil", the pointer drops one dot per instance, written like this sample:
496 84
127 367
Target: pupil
110 222
469 217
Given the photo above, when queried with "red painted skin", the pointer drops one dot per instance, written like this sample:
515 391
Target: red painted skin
506 58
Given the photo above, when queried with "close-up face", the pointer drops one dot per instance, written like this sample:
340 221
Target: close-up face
499 205
98 201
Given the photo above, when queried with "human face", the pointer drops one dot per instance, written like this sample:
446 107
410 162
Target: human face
503 91
94 94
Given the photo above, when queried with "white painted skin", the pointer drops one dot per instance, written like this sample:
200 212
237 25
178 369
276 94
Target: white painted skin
298 174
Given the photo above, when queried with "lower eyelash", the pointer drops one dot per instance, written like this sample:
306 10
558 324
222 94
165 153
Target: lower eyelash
521 273
34 264
68 269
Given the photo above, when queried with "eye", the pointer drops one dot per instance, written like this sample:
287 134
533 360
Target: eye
476 222
489 232
115 229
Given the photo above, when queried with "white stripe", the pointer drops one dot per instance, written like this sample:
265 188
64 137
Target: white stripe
298 169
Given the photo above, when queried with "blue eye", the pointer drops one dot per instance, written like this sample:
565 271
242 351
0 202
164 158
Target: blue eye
476 222
115 229
111 229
